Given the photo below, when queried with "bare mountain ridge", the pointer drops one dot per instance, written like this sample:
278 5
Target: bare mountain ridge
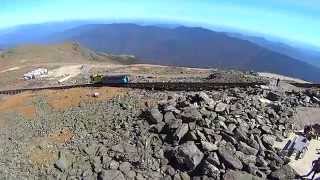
180 46
33 33
65 62
67 52
183 46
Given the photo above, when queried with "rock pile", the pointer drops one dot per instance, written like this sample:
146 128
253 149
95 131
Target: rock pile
214 135
224 134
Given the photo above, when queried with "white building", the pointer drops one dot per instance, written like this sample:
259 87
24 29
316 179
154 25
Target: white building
35 74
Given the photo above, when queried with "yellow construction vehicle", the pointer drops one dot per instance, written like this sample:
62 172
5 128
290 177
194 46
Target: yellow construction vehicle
96 78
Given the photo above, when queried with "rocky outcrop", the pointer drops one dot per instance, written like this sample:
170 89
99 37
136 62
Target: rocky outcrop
227 134
285 172
221 134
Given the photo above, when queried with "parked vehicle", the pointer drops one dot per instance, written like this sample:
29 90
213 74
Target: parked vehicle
117 79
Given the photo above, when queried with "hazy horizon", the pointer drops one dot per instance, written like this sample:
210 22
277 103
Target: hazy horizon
286 19
171 24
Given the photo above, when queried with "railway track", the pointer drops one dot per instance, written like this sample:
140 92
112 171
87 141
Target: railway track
306 85
162 86
18 91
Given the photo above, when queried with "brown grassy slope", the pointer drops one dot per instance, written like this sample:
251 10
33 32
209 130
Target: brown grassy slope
17 61
25 104
59 53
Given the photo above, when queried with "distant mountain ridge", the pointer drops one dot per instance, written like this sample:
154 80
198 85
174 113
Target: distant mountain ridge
306 54
170 45
34 33
184 46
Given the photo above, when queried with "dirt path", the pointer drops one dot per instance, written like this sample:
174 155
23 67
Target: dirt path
10 69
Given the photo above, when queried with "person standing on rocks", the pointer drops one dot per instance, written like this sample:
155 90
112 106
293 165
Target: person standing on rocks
316 130
278 81
315 168
308 131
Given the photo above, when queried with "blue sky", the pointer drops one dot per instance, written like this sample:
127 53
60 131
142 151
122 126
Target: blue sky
297 20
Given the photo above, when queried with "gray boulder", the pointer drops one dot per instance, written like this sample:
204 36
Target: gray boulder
221 107
268 139
261 162
213 159
191 114
210 170
252 142
274 157
315 99
131 174
170 170
266 129
239 175
177 177
243 147
171 108
210 102
273 96
96 164
174 124
284 173
169 116
62 164
180 132
254 170
307 99
125 167
118 148
259 141
228 137
246 159
232 127
140 177
201 136
188 156
111 175
207 146
114 164
155 116
229 158
157 128
240 134
184 176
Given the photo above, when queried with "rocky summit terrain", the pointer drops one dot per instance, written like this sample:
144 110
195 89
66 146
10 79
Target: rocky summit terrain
138 134
121 133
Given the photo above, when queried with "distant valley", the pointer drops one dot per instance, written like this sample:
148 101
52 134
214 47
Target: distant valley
178 46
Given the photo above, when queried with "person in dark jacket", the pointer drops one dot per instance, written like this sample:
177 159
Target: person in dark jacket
316 130
278 81
315 169
308 131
